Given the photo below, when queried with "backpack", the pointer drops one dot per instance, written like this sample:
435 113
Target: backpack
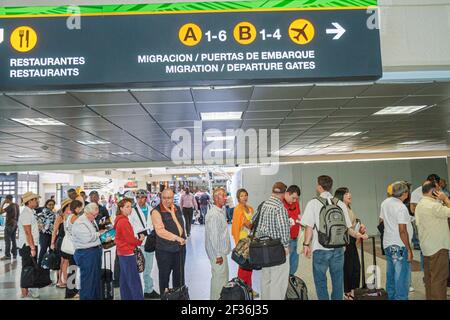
296 289
332 230
236 289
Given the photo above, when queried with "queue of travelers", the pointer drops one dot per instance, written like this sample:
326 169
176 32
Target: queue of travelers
77 230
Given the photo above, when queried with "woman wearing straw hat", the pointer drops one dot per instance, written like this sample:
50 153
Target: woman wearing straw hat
28 236
57 238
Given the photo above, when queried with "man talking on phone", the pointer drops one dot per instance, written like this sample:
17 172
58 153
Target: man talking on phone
432 213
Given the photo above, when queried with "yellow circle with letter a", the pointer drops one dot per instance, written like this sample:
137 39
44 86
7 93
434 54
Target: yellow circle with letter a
190 34
244 33
301 31
23 39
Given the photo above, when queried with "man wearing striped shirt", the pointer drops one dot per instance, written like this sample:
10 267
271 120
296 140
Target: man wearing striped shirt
274 223
217 242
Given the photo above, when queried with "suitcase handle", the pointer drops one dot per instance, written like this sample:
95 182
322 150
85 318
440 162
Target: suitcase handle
363 273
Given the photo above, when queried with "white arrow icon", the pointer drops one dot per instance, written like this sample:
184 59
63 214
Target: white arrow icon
1 35
338 31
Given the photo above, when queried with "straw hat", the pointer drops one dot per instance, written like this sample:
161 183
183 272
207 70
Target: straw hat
29 196
65 203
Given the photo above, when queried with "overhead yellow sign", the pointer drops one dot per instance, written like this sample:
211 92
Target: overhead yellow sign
190 34
301 31
244 33
23 39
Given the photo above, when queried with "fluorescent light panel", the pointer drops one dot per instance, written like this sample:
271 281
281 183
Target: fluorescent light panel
38 121
92 142
413 142
399 110
218 116
23 156
220 150
122 153
346 134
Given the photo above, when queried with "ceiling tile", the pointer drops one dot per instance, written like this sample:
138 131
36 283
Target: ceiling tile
260 105
232 94
170 108
105 97
280 92
322 103
327 91
393 89
156 96
51 100
119 110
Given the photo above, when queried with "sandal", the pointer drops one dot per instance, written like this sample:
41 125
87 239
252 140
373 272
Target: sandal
349 296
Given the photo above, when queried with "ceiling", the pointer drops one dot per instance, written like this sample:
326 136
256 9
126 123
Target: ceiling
142 121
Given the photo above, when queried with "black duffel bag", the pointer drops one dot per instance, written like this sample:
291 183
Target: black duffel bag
51 260
267 252
150 242
34 276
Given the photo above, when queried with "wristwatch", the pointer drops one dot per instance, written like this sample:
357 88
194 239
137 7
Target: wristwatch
306 245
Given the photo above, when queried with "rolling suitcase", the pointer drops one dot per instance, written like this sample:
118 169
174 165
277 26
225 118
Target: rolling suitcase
107 279
365 293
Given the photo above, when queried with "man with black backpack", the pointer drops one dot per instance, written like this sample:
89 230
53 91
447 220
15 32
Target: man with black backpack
327 228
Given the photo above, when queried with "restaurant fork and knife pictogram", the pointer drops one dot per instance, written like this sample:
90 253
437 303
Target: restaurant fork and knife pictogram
25 33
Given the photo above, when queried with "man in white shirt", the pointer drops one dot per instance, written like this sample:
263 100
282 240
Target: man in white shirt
141 221
28 236
396 242
217 243
325 258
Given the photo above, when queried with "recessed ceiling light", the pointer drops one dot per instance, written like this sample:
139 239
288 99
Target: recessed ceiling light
220 138
346 134
399 110
38 121
122 153
23 156
220 150
413 142
217 116
92 142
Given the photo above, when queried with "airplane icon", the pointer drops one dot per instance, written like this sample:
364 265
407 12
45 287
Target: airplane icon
300 32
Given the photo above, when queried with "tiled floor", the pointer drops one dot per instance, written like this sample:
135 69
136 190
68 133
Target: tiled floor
198 274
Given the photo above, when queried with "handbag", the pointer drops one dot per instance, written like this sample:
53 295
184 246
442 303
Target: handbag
51 260
150 242
140 260
67 245
180 293
265 252
104 237
34 276
241 252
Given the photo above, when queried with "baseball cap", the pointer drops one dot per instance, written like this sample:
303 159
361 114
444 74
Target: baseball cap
129 195
279 187
141 193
